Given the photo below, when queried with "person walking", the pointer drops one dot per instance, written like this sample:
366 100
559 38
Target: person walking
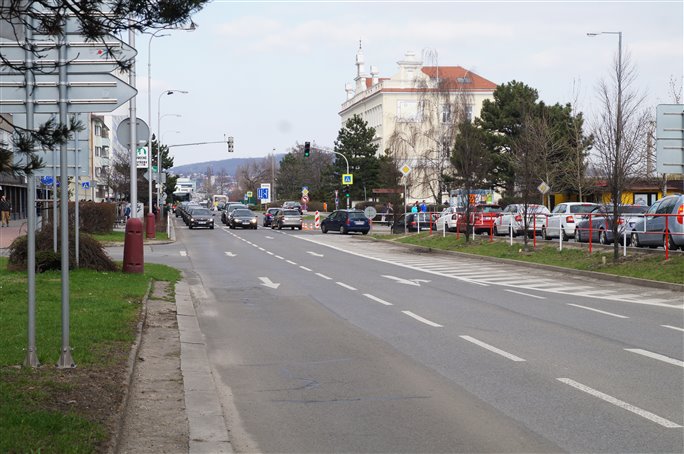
5 210
423 207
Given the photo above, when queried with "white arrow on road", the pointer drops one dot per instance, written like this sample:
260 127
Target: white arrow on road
315 254
399 280
230 254
267 282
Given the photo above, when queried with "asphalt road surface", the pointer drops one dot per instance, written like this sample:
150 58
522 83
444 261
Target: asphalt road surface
332 343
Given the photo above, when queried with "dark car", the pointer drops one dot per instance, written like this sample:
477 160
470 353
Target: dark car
293 206
225 214
600 229
201 217
244 218
414 222
345 221
268 216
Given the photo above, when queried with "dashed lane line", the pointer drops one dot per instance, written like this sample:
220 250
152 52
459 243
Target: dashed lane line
673 327
324 276
342 284
305 268
376 299
597 310
423 320
659 357
619 403
493 349
526 294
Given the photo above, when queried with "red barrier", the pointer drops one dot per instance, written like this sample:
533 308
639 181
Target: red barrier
149 226
133 258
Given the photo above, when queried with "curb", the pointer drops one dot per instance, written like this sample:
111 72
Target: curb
114 445
594 274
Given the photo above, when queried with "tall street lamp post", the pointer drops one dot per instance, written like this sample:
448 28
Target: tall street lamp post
149 108
159 117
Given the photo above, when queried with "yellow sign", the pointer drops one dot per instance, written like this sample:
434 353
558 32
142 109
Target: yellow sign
405 169
347 178
249 193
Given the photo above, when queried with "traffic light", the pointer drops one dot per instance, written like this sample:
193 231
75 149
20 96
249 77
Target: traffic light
230 145
307 149
346 191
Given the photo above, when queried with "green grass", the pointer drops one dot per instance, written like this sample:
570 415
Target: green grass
105 308
644 266
119 237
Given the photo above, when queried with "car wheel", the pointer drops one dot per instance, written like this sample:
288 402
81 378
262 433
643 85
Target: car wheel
365 232
212 227
496 231
190 226
280 227
511 232
563 234
635 240
324 229
544 235
670 243
603 239
343 230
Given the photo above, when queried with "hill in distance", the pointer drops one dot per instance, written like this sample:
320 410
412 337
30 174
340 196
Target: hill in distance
229 165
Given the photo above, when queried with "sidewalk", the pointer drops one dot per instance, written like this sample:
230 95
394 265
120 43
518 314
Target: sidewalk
8 234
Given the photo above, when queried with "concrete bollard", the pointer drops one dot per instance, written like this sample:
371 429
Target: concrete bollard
133 259
149 226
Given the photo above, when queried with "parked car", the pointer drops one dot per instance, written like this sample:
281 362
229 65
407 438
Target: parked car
482 217
650 231
293 206
201 217
268 216
241 217
564 218
287 218
225 214
512 217
413 222
346 221
449 216
600 228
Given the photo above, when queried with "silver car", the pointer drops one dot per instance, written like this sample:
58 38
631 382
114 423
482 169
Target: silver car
651 230
564 218
511 218
287 218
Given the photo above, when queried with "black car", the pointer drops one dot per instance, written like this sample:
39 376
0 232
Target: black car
345 221
225 214
414 222
201 217
244 218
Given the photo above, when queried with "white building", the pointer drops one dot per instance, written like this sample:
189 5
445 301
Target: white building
186 185
99 158
417 101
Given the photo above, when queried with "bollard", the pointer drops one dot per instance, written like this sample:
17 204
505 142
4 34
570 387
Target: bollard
149 226
133 261
317 220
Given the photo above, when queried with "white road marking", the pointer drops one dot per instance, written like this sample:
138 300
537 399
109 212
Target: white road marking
315 254
375 298
262 249
183 253
526 294
290 262
268 283
400 280
269 253
659 357
596 310
279 257
323 276
629 407
305 268
342 284
268 237
421 319
492 349
230 254
672 327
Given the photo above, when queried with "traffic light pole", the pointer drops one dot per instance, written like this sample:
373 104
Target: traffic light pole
345 160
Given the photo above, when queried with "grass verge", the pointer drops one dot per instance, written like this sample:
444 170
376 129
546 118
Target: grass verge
644 266
46 409
119 237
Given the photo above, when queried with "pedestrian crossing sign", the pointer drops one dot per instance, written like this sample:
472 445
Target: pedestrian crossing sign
347 178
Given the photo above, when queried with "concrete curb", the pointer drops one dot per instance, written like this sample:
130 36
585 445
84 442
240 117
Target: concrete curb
208 429
593 274
114 446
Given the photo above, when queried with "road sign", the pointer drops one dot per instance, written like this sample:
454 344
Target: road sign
102 92
262 194
47 180
85 184
83 56
543 187
405 169
370 212
670 138
141 158
347 178
123 132
250 193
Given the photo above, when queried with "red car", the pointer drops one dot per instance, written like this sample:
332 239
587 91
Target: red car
482 218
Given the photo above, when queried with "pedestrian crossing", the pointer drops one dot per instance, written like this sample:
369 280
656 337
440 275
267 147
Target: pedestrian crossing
481 272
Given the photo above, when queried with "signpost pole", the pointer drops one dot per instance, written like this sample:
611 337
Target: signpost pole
77 183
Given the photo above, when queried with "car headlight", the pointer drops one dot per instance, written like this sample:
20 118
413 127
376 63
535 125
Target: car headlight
254 220
192 220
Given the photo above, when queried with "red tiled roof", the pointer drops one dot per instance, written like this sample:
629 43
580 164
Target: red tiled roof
451 74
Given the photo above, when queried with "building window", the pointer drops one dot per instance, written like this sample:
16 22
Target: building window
469 113
104 152
98 129
98 151
464 80
408 111
445 113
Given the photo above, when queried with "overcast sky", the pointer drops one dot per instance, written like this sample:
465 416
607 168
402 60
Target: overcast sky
272 74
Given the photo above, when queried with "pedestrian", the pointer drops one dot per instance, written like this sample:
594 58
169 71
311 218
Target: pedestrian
127 212
5 209
325 207
414 208
423 207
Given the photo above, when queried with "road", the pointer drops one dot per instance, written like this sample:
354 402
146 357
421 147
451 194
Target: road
332 343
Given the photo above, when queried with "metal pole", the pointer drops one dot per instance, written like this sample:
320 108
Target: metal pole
65 359
77 223
134 139
31 359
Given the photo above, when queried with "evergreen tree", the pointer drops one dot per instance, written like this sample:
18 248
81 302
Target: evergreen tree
355 142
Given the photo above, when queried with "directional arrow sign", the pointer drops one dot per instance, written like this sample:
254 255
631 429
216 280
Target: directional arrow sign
86 93
83 56
415 282
267 282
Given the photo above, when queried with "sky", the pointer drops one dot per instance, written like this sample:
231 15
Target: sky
272 74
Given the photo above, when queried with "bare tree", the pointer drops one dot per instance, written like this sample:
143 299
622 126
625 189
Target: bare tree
574 177
620 133
250 176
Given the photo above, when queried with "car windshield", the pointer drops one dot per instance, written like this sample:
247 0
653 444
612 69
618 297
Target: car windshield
357 215
488 209
291 213
235 207
244 213
201 212
581 208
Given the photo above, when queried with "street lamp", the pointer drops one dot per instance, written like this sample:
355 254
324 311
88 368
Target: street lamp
159 117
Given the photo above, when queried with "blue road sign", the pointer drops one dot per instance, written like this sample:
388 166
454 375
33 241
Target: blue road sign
262 193
47 180
85 185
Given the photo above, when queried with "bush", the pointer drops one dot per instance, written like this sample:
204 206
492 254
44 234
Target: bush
94 217
91 253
